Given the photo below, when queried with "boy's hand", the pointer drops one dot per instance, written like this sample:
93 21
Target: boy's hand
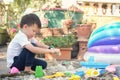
56 51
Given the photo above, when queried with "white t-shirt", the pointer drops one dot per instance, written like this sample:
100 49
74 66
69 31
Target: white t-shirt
16 46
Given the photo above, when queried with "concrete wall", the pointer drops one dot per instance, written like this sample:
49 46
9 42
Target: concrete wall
102 20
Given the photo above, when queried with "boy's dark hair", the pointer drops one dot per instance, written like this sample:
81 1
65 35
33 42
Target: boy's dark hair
30 19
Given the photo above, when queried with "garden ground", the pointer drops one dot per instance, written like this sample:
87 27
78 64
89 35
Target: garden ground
3 67
5 70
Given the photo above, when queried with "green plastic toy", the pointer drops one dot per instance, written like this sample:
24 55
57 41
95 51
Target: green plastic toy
39 72
68 74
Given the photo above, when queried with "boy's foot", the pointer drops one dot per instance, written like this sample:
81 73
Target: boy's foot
30 72
28 69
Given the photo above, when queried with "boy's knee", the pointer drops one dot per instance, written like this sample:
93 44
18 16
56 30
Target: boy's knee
44 65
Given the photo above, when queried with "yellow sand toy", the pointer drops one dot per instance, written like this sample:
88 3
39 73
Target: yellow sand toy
92 73
116 78
57 74
74 77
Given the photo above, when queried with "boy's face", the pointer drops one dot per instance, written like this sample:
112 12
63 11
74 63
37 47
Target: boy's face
30 31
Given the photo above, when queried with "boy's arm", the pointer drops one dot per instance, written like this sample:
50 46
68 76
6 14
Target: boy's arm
42 45
39 50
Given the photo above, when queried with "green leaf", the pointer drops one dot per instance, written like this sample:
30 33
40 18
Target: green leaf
60 41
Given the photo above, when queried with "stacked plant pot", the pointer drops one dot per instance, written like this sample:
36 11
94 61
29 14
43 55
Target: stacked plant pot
84 30
83 33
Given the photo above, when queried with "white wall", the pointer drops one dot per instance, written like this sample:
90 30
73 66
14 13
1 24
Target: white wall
68 3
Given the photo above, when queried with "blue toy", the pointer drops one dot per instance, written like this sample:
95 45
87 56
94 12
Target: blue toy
80 73
92 64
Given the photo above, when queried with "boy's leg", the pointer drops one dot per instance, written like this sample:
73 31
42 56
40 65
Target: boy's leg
38 62
25 58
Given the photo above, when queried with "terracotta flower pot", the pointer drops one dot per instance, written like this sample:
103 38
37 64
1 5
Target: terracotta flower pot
46 32
65 54
59 31
84 30
67 23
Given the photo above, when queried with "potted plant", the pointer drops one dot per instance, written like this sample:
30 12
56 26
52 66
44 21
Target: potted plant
85 28
64 43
